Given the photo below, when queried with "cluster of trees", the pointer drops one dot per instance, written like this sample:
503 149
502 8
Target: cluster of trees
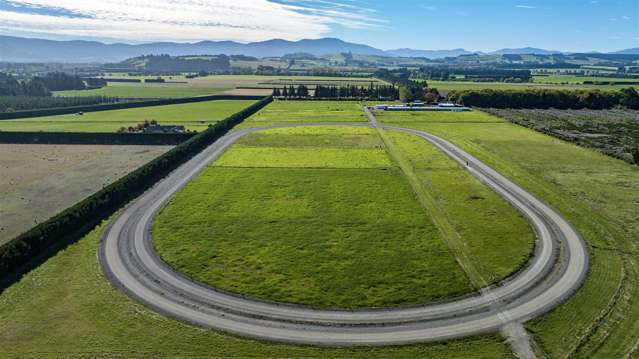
371 92
410 90
76 221
60 81
413 91
40 85
23 103
166 63
543 99
94 83
10 86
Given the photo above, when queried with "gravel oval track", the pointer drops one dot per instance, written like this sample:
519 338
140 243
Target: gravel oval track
555 272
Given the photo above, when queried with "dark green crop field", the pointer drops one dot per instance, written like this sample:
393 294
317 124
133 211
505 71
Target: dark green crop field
599 195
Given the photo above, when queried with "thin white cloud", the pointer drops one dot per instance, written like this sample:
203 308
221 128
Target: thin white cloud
525 7
185 20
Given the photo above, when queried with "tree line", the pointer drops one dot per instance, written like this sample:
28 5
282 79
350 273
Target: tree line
371 92
444 73
546 98
23 103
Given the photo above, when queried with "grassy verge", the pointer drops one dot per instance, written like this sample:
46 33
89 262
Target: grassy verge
599 195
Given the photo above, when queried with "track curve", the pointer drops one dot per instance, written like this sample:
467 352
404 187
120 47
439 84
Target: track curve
555 272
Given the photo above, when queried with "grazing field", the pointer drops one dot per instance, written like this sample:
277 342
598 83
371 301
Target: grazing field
573 79
321 216
466 204
193 116
599 195
146 90
66 308
282 111
469 85
435 117
613 132
39 181
199 86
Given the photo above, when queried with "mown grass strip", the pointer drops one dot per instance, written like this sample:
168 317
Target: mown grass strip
452 238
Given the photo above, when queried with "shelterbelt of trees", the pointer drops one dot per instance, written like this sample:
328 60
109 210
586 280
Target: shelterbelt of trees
371 92
10 104
544 99
491 74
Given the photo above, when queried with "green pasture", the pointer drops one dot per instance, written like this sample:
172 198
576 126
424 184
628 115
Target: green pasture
282 111
468 85
573 79
195 116
146 90
323 216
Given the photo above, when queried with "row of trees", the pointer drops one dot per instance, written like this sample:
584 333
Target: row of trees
22 103
445 73
291 91
544 98
371 92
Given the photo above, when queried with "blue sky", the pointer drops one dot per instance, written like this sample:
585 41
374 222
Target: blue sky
569 25
484 25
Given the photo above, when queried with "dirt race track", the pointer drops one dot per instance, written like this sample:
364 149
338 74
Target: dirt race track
556 271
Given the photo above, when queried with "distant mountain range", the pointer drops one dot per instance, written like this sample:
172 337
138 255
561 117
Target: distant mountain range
633 51
17 49
525 51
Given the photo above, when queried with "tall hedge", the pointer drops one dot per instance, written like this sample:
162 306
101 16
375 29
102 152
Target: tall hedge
94 138
76 221
546 98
